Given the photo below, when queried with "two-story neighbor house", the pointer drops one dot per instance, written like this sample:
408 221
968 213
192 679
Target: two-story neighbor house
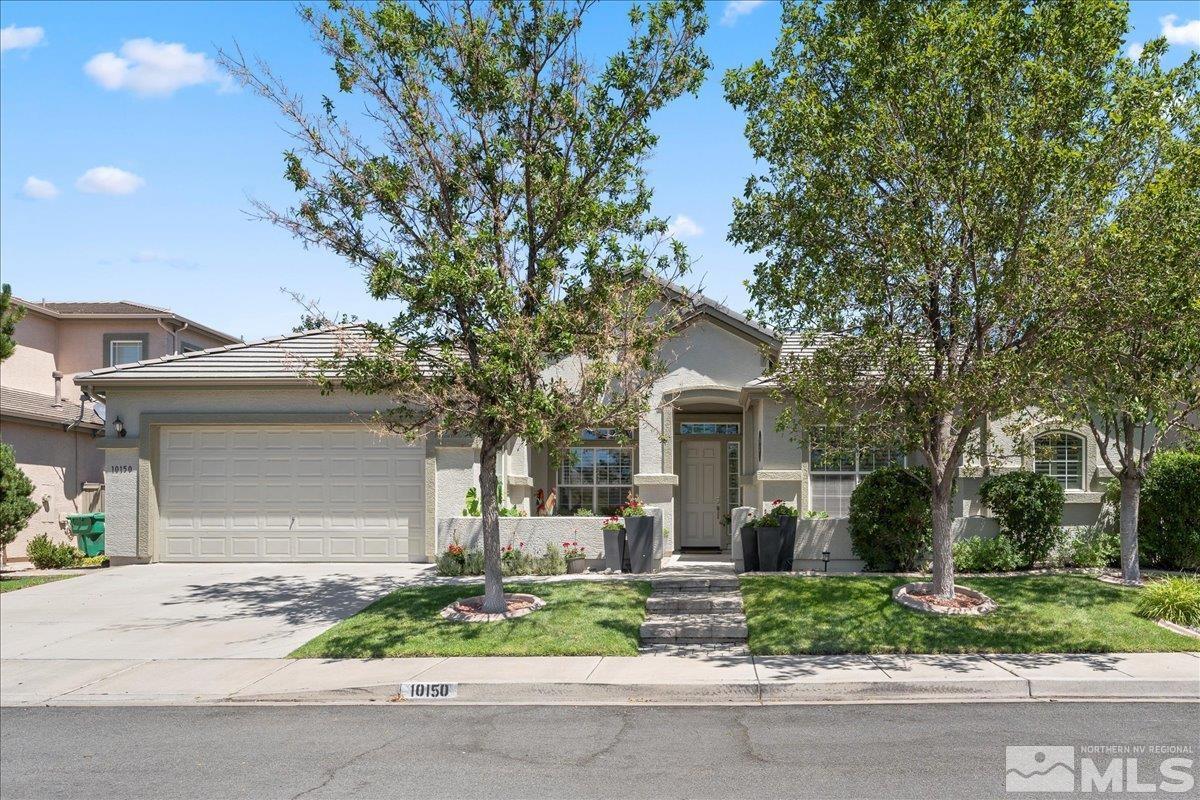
54 432
232 454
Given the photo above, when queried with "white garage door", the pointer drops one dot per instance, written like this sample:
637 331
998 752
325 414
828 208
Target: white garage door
289 493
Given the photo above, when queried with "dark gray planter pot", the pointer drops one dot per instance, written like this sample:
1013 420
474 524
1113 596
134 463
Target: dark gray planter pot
768 548
614 550
749 548
577 566
787 543
639 542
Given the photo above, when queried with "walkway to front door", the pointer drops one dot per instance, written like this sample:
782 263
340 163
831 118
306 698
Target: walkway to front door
703 484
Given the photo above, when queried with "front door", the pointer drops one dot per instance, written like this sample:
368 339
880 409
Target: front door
701 494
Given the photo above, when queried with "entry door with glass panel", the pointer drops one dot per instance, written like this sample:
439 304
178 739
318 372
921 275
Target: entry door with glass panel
703 485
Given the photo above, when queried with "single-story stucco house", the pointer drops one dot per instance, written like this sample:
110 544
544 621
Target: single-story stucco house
232 454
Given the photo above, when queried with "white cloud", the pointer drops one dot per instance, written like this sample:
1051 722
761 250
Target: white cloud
683 227
14 38
1186 34
154 69
1135 50
161 258
738 8
39 189
109 180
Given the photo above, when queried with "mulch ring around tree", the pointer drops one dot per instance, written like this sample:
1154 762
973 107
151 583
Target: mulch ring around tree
966 602
470 609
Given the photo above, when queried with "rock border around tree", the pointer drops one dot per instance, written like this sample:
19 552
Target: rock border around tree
914 596
465 609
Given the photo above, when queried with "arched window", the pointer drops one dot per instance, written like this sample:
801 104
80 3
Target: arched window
1060 455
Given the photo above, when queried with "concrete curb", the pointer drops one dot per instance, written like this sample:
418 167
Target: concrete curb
705 679
771 693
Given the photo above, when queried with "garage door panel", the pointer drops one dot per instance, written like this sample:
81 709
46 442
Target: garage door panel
289 493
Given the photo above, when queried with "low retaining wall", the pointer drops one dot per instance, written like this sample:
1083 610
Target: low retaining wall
536 533
814 536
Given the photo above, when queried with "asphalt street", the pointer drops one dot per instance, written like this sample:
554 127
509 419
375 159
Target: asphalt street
928 751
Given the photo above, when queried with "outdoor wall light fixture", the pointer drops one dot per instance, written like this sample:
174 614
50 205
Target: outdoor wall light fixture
824 557
119 427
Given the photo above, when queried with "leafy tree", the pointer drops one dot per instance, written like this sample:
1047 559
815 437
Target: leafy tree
15 506
1131 353
10 315
495 189
928 167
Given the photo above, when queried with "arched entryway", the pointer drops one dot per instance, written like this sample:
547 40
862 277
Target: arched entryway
707 436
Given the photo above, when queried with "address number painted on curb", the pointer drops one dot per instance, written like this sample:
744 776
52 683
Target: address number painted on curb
428 691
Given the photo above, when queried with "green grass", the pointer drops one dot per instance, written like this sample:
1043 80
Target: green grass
1037 614
581 618
11 584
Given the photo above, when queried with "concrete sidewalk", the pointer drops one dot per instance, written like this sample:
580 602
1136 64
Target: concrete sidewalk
700 679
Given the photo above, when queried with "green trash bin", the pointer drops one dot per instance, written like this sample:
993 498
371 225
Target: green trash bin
89 532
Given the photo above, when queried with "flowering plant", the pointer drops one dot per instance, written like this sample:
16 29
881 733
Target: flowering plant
781 509
573 550
613 523
633 508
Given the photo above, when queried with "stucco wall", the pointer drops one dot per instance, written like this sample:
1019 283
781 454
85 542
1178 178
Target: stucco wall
457 472
534 532
121 503
58 463
32 363
814 536
81 342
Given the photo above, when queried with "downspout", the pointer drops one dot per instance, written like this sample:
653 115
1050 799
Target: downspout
174 334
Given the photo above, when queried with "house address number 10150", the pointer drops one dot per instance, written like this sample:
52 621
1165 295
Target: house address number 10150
116 469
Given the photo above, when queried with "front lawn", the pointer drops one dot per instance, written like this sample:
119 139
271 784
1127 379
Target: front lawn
1037 614
10 583
581 618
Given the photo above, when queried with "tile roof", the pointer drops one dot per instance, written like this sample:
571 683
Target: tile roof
115 307
32 405
280 359
703 304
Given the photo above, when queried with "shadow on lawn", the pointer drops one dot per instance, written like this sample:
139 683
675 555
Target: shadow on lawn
579 619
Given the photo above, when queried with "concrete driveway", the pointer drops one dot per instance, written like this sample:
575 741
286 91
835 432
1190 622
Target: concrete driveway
177 611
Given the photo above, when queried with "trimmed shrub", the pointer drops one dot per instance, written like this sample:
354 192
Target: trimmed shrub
997 554
1029 508
1169 514
553 562
891 527
1175 599
1095 547
45 554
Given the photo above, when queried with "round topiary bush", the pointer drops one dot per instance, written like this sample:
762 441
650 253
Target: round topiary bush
1029 508
1169 514
891 527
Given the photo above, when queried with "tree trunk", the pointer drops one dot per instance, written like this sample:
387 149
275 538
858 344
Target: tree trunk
1131 496
493 578
943 539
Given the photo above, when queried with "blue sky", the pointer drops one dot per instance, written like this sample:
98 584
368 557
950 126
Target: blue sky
143 158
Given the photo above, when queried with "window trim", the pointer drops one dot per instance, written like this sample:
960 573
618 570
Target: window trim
856 473
561 508
717 434
733 476
1083 457
110 339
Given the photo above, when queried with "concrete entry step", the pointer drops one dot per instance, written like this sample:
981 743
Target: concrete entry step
694 602
682 628
718 584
